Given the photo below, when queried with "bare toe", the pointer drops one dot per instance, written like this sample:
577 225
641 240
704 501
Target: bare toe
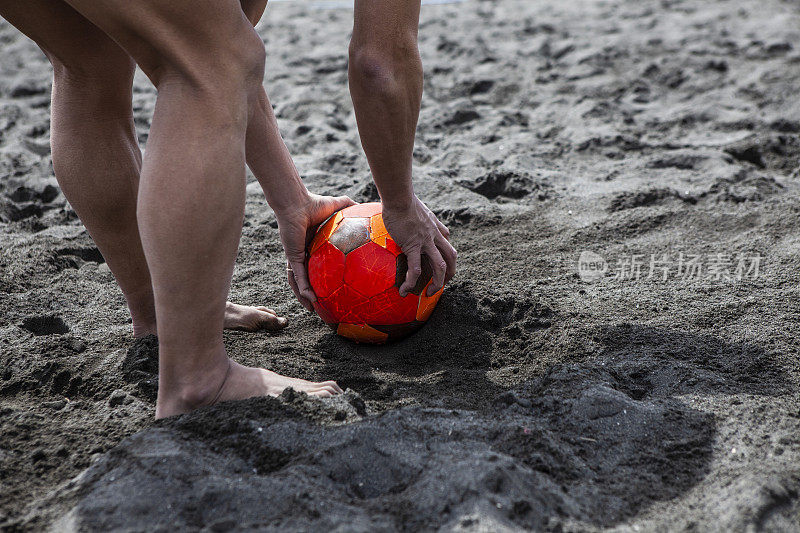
324 393
330 385
247 318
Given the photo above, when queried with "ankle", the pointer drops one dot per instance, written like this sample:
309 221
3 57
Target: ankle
182 391
143 329
143 313
185 399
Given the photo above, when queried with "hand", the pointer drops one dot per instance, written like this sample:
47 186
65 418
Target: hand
297 226
418 232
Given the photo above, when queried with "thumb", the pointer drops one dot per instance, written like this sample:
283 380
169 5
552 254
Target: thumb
340 202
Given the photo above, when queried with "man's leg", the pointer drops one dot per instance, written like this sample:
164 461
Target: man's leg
207 62
207 68
95 153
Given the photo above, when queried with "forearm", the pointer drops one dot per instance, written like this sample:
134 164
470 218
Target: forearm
386 98
269 160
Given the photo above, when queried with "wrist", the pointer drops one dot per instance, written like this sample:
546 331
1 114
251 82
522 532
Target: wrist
399 204
286 195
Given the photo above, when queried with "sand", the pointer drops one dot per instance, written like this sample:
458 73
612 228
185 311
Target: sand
539 397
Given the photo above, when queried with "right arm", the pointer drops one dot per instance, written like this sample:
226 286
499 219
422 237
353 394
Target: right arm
385 74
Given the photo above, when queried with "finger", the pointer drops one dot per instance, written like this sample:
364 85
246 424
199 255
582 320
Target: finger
413 273
439 266
443 229
293 284
296 291
301 277
450 256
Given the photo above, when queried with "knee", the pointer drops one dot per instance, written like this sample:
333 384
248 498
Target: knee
229 69
97 74
247 59
379 68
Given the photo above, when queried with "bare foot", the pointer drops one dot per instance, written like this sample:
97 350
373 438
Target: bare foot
238 382
245 382
238 317
247 318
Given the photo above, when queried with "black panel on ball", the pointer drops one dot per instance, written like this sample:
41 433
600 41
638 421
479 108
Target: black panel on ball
399 331
424 277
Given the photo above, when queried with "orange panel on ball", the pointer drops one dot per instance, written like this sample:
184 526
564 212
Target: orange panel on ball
370 269
362 333
362 210
324 232
326 269
376 226
380 240
427 303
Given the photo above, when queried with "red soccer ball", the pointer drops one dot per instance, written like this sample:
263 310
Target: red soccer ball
356 269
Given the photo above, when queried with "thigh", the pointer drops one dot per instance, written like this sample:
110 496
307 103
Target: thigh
67 38
192 36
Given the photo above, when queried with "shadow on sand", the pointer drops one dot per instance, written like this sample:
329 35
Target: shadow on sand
590 442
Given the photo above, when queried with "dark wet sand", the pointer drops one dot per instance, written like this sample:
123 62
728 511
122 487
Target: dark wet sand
533 399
